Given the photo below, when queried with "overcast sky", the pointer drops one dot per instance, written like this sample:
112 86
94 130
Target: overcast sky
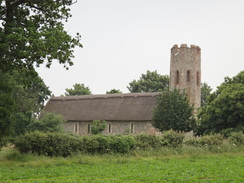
122 39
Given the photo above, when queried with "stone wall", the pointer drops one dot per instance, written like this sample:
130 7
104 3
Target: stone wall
83 128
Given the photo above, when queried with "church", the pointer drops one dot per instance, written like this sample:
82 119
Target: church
131 112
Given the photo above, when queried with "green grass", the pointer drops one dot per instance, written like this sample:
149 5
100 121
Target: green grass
164 165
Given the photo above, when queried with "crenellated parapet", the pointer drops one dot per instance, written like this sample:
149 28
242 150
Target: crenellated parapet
192 47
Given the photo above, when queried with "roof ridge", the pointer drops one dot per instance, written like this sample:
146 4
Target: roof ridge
104 96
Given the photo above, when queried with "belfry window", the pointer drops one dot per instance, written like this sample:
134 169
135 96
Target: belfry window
198 78
188 76
177 78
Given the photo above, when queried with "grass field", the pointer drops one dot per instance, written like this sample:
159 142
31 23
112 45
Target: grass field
136 167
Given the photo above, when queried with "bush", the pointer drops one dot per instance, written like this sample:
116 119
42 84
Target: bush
144 141
104 144
49 122
236 138
210 140
97 126
48 144
172 138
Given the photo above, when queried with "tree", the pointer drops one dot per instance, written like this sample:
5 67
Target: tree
113 91
49 122
32 32
79 89
224 108
27 99
98 126
205 92
149 82
7 105
173 112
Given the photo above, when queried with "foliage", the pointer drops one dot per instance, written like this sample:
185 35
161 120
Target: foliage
173 112
149 82
205 92
236 138
98 126
7 105
29 97
207 140
49 122
106 144
78 89
113 91
172 138
144 141
224 108
32 32
49 144
60 144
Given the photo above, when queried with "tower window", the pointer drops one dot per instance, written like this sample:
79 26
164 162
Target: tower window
188 76
177 79
198 78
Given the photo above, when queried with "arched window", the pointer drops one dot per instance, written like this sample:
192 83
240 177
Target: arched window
177 79
198 78
188 76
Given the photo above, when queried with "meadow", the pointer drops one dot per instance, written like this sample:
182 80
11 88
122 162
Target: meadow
163 165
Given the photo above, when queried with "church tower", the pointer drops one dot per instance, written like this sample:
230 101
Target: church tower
185 72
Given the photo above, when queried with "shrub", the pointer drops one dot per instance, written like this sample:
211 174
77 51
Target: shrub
49 122
210 140
144 141
98 126
49 144
122 144
172 138
236 138
104 144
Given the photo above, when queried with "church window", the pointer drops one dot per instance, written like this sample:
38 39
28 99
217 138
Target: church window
177 79
76 127
132 128
109 128
188 76
89 128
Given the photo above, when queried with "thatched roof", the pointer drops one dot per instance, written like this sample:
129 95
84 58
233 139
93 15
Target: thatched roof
110 107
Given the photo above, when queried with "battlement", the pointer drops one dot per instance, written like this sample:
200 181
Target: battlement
184 46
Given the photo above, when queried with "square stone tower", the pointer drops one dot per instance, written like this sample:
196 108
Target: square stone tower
185 72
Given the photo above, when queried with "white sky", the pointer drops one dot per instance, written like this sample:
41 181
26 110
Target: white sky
122 39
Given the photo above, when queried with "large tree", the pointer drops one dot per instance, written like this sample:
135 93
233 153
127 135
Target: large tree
173 112
25 101
225 107
149 82
78 89
32 32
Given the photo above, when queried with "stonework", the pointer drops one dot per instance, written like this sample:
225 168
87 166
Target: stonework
113 127
185 72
